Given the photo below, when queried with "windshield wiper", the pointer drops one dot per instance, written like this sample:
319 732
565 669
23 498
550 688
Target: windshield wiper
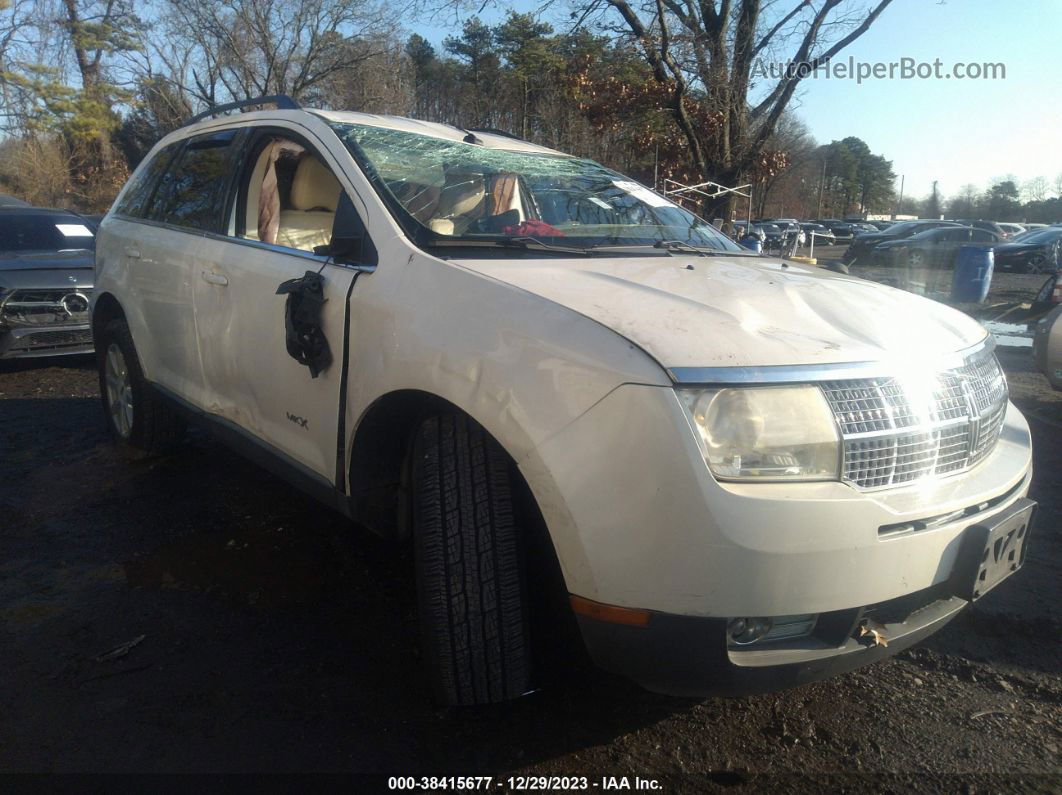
688 248
525 243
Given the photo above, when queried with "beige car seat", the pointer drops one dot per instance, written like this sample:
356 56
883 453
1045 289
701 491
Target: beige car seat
460 203
314 197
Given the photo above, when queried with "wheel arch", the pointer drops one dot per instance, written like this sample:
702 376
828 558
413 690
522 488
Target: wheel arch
379 455
380 498
105 309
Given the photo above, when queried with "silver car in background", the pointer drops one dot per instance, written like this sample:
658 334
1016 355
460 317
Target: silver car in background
46 278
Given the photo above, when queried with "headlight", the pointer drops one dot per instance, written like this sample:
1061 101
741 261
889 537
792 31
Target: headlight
766 433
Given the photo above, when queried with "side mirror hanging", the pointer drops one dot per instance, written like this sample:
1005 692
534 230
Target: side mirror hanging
350 243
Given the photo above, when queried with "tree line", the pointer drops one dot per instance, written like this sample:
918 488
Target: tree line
659 89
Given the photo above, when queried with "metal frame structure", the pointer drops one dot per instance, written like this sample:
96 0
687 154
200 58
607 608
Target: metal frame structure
683 190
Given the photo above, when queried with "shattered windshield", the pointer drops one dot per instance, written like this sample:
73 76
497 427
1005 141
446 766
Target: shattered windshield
457 191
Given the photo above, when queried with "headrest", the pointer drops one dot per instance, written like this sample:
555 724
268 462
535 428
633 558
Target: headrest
313 186
462 194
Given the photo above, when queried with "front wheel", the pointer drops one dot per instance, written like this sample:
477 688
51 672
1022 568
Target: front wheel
1035 264
473 614
140 423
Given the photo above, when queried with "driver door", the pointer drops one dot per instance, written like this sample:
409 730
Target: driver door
284 205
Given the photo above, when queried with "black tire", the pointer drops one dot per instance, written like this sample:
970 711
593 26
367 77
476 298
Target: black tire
153 428
1035 263
473 614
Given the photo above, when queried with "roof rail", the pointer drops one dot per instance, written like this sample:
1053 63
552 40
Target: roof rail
282 101
496 131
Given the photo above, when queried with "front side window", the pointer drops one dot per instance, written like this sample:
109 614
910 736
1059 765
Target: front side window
288 197
193 188
135 199
444 190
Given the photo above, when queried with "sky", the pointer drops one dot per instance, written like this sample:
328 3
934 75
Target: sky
949 130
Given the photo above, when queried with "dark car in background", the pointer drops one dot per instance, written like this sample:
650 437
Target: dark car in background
862 248
1035 251
46 278
933 247
843 231
823 235
881 225
771 234
991 226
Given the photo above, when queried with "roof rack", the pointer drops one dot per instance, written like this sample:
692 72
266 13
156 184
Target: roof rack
496 131
282 101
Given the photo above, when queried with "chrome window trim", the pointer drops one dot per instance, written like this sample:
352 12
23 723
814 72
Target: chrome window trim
811 373
246 241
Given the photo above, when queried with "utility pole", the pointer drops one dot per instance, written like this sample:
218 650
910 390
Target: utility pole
822 184
899 204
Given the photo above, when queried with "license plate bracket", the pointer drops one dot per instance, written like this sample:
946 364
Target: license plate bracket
992 550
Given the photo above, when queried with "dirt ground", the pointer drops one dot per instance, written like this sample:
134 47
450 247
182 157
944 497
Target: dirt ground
195 614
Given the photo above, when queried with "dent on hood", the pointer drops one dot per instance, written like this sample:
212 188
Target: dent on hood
742 312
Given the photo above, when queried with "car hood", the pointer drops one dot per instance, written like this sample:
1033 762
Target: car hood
1010 248
742 311
47 269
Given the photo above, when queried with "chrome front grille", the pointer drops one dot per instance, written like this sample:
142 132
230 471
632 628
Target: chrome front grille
899 430
45 307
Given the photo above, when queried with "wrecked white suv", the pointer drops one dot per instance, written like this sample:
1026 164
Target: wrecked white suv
752 474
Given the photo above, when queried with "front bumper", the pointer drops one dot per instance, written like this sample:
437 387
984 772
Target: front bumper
638 522
50 340
688 656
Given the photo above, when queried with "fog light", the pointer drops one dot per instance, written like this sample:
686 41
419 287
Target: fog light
748 630
743 631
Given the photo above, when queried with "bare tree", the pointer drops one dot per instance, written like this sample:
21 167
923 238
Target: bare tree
217 50
717 49
1035 189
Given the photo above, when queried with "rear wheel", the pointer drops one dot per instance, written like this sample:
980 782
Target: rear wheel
916 258
138 420
473 614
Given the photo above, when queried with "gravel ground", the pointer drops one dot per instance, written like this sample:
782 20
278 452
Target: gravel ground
195 614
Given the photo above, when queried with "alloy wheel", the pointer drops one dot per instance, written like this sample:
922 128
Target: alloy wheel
119 391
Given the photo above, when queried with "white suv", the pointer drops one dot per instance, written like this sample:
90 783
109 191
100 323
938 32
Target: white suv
752 473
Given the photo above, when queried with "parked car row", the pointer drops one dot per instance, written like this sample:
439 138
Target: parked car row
931 242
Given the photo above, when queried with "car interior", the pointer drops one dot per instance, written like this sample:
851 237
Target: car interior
291 197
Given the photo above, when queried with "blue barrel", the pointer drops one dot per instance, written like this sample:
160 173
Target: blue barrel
973 274
752 242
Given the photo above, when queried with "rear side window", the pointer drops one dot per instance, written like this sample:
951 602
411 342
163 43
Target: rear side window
136 198
193 189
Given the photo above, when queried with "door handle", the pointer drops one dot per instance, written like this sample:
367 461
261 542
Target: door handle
210 277
132 253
